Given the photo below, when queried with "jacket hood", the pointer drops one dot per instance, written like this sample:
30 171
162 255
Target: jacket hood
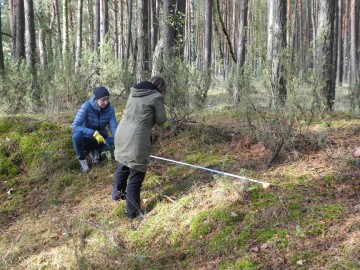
142 89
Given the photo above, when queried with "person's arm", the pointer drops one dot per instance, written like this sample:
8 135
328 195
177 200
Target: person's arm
160 112
113 123
80 119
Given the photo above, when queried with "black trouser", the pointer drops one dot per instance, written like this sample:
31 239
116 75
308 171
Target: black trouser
132 188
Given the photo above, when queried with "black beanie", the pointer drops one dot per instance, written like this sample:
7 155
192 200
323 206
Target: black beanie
101 92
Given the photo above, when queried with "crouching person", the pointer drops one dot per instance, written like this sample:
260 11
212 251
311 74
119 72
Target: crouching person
89 127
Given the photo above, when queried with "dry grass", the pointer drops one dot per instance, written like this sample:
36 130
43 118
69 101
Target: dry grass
308 219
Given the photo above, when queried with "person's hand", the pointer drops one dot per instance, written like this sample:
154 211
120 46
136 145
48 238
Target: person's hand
99 138
357 152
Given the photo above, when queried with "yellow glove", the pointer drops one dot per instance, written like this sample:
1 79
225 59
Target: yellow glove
99 137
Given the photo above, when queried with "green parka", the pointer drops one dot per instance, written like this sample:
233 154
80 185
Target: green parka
144 108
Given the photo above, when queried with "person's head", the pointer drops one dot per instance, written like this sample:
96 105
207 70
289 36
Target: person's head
102 96
160 84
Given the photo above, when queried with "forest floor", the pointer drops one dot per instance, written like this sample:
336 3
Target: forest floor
54 217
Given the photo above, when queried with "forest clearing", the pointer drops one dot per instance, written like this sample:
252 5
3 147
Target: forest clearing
263 89
55 217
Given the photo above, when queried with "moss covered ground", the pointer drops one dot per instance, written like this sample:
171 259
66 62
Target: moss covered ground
52 216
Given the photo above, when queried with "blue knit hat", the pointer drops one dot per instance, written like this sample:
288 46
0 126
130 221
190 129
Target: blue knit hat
100 92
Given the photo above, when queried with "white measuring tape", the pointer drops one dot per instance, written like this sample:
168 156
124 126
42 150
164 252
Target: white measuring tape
264 184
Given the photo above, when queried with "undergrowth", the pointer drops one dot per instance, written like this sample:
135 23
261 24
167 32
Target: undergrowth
54 217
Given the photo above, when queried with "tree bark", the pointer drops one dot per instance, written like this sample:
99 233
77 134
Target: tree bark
241 47
314 21
2 64
278 45
11 14
154 17
346 43
18 31
104 20
270 29
354 73
42 47
121 34
96 24
65 27
307 36
129 34
169 39
116 29
58 26
208 34
288 19
339 77
335 26
180 26
79 35
142 41
325 50
90 26
242 35
30 34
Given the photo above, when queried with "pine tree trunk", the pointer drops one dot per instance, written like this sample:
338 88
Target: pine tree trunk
308 38
354 73
241 47
325 50
90 26
242 35
335 27
78 35
154 17
30 34
289 20
270 29
180 26
142 41
71 41
121 34
339 77
18 31
42 47
65 27
2 64
11 14
58 26
346 43
116 29
314 22
189 29
169 31
208 34
129 35
104 20
96 24
278 45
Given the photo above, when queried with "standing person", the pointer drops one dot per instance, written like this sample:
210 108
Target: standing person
89 127
144 108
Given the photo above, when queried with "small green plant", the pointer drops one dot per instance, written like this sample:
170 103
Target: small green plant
244 264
